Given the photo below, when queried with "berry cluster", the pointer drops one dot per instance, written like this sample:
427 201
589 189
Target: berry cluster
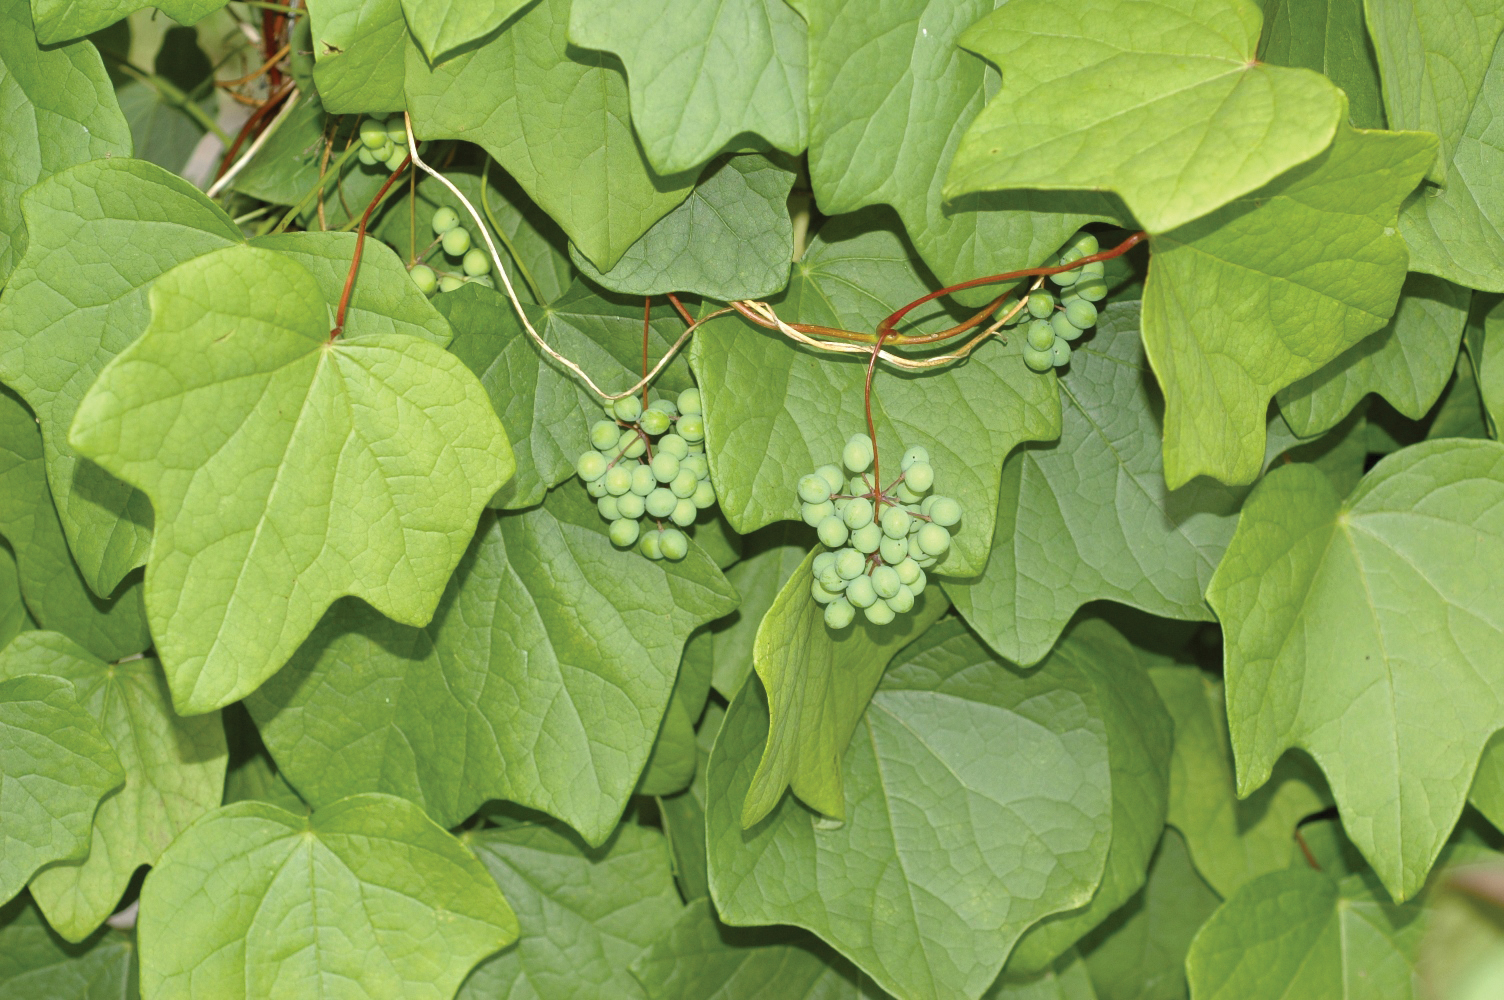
455 241
650 462
881 541
380 144
1055 323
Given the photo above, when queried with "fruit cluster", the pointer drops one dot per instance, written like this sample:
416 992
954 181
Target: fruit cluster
650 462
455 241
880 540
380 143
1054 324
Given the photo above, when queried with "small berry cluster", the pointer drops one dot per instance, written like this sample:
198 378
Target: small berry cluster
382 144
1055 324
881 541
649 462
455 241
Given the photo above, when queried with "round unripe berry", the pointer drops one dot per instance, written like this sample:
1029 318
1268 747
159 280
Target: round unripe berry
908 571
1082 314
860 592
820 594
661 503
655 422
1063 328
456 241
833 532
683 485
824 559
1095 269
675 544
603 434
857 487
915 453
684 513
1060 354
666 405
858 453
814 513
885 581
896 520
690 402
1092 289
624 531
1084 246
903 601
596 488
933 540
814 489
631 444
867 538
398 135
372 134
1065 279
944 512
366 156
906 495
917 587
893 550
850 564
832 476
395 157
1041 334
692 427
591 466
476 262
830 579
1041 303
696 464
444 219
618 480
1039 361
858 513
920 477
627 409
839 614
449 283
651 544
878 613
607 507
704 494
630 505
674 445
643 480
665 467
424 278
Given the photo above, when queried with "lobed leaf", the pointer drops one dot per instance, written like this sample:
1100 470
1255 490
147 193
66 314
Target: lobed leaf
35 962
441 27
1330 37
676 753
360 47
61 20
777 552
1485 340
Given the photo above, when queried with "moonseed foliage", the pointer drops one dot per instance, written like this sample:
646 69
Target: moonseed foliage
455 242
1056 319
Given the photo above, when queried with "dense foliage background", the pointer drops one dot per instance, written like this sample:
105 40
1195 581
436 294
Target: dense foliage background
322 677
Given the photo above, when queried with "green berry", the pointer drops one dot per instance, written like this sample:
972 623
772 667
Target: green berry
624 531
684 513
903 601
695 464
1039 361
916 453
661 502
591 466
627 409
643 480
833 532
1041 334
664 406
704 494
839 613
476 262
814 489
690 402
933 540
814 513
449 283
603 434
867 538
896 520
618 480
820 594
917 587
683 485
1084 246
832 476
1060 354
1092 289
1063 328
665 467
885 581
456 241
395 157
692 427
655 422
607 507
920 477
675 544
861 593
1082 314
944 512
858 453
674 445
850 564
424 278
372 134
366 156
908 571
596 488
651 544
444 219
629 505
397 134
893 550
858 513
631 444
878 613
1041 303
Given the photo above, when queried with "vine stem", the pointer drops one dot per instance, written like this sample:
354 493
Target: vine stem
360 245
250 124
226 176
647 312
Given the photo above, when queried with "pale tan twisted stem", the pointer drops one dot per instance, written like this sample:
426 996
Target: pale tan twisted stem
543 345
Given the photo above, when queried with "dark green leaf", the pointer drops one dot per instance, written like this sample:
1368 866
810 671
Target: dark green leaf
1328 36
775 553
35 962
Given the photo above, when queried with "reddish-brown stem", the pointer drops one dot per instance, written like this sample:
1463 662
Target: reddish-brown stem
1306 850
647 311
679 308
271 30
251 124
825 331
871 427
360 245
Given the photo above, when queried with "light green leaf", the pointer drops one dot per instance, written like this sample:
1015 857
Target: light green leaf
1066 979
1298 933
174 773
771 557
704 77
1231 839
1163 103
732 238
545 410
684 814
252 901
124 223
676 754
1485 339
381 429
1327 36
701 958
1089 516
1408 361
1231 315
1368 632
35 962
60 20
14 618
360 47
1139 953
926 801
585 913
1139 738
774 410
570 144
50 582
164 132
817 682
542 678
251 773
55 766
1443 71
443 26
60 109
1459 413
890 97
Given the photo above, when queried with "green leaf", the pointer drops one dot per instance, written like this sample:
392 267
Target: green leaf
360 47
676 754
890 97
61 20
365 429
1066 979
684 814
1089 516
1298 933
174 773
14 618
252 901
1408 361
35 962
1232 315
773 555
164 132
569 144
1139 739
443 26
926 802
55 592
585 913
704 77
775 410
1139 953
1164 104
55 766
1485 340
1367 632
1330 37
1231 839
817 682
1459 413
1462 953
701 958
60 109
732 238
547 413
565 649
1443 72
124 223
